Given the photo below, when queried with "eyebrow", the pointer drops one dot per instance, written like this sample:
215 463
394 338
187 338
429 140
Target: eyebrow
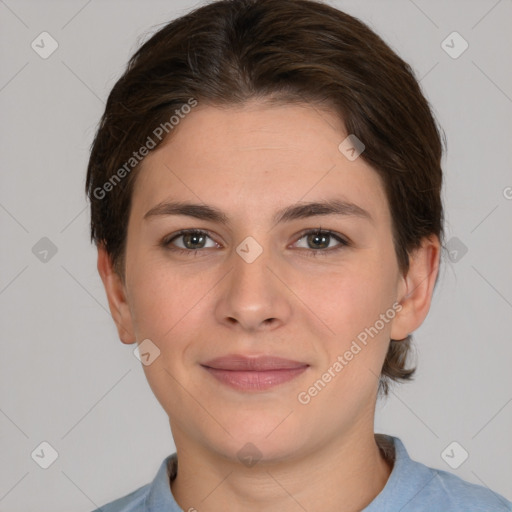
292 212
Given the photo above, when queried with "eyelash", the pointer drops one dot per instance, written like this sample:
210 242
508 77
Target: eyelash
343 242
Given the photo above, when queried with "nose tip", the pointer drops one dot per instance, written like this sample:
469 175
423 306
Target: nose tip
252 298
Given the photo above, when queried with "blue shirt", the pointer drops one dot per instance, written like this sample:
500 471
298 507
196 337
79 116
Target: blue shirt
411 487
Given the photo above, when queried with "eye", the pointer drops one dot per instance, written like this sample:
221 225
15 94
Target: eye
188 241
192 241
320 241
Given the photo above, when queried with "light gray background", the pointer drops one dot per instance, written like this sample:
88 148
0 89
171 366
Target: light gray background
65 377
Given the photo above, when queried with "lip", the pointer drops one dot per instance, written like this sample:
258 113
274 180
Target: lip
257 373
238 362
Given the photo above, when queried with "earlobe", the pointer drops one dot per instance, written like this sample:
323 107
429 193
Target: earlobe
116 295
417 288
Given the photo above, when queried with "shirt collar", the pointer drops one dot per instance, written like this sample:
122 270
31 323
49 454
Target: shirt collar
160 495
406 480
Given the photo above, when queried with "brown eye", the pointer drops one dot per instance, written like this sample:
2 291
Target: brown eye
188 241
318 240
321 241
193 240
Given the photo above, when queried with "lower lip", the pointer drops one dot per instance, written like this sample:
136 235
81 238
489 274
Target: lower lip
255 380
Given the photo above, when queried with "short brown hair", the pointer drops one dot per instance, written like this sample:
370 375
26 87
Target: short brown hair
230 51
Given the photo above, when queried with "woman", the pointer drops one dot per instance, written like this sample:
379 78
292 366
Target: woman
265 191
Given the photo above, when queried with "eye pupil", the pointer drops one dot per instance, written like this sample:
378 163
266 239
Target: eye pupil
319 236
192 239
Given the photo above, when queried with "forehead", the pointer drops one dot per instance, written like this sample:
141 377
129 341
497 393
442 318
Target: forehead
255 158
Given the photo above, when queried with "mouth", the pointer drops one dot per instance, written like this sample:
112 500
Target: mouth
253 373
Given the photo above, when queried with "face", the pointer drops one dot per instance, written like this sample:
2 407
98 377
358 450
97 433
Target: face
246 285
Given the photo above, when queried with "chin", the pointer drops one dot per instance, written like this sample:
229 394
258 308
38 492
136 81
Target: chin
264 439
258 451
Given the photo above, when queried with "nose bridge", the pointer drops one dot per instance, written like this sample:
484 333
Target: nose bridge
253 295
251 277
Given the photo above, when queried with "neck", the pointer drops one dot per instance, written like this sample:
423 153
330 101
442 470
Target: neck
344 476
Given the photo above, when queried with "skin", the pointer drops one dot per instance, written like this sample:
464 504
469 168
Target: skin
290 302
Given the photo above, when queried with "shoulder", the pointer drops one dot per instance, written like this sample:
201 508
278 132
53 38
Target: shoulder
414 487
457 494
152 497
130 503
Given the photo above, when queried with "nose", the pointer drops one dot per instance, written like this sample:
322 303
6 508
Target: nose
253 296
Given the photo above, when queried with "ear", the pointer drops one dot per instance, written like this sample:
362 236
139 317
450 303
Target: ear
416 288
116 295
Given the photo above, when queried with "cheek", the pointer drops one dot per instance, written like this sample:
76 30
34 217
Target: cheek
158 299
353 306
352 299
171 307
167 312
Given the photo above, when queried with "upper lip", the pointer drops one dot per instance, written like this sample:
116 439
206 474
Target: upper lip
238 362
